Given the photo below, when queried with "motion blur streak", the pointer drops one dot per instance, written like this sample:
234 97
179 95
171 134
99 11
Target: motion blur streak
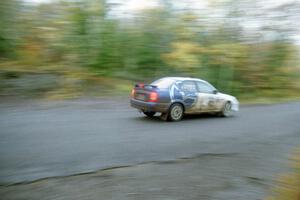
244 48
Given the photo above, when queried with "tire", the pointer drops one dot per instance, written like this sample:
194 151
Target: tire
226 111
149 114
176 112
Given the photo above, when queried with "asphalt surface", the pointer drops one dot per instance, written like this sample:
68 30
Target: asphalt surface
51 139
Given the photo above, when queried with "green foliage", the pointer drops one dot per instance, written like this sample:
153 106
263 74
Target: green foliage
8 31
157 42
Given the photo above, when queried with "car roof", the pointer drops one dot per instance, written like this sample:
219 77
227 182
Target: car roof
183 79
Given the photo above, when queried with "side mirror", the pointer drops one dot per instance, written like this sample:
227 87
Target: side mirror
215 91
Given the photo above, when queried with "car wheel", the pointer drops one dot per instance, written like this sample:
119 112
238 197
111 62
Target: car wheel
175 112
226 111
149 114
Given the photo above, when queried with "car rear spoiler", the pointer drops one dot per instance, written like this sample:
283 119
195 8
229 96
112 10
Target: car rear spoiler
142 85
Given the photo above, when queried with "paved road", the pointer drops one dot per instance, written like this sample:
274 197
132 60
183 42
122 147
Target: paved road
46 139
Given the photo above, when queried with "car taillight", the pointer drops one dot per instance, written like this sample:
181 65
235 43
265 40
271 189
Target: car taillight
141 85
132 92
153 97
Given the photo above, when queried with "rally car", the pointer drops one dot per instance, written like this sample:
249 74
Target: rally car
173 97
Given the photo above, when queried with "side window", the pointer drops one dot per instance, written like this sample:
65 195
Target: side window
188 86
204 87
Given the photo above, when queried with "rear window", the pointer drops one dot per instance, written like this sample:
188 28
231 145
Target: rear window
163 83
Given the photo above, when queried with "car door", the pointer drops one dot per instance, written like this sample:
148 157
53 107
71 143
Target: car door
189 93
207 98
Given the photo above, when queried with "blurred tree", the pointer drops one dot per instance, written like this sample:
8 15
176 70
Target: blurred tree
8 31
153 39
185 51
184 57
219 44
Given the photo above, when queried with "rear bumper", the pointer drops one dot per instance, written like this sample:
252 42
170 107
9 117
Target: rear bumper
149 106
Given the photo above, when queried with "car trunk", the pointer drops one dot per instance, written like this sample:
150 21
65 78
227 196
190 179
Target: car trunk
143 93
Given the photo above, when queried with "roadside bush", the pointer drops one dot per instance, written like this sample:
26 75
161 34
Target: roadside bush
288 187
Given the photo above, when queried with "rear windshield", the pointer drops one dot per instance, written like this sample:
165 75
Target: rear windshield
163 83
